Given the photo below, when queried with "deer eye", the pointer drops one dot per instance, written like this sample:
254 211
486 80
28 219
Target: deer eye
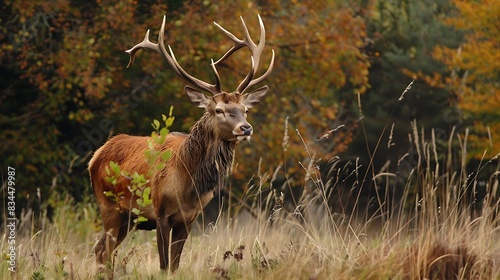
218 111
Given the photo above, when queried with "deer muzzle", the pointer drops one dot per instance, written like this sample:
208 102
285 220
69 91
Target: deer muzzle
243 131
247 129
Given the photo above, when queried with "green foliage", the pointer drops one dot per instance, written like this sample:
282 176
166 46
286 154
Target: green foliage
153 154
139 183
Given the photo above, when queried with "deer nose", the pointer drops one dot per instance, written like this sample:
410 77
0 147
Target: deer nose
247 129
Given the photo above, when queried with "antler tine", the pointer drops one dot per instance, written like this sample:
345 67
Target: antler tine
247 42
146 44
244 84
238 44
261 78
217 77
214 89
256 52
172 61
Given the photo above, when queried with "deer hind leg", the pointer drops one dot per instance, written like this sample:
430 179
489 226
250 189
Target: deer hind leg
113 222
179 236
127 225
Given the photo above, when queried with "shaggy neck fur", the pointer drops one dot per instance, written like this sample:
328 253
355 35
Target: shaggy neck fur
208 159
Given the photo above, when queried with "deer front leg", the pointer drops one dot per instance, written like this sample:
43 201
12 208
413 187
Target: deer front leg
179 236
163 239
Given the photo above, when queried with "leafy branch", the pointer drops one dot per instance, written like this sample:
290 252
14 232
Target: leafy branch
139 183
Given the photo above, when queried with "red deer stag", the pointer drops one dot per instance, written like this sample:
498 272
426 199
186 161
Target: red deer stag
199 163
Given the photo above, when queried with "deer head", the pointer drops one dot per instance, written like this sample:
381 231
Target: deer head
228 110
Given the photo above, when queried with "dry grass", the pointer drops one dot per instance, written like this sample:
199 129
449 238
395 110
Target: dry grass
441 231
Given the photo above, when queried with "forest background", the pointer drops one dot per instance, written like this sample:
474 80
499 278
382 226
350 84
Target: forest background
65 89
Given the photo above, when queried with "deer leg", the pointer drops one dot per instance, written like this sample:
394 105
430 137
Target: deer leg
107 243
163 238
179 236
99 249
125 228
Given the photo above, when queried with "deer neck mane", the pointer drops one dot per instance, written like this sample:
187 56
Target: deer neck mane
208 159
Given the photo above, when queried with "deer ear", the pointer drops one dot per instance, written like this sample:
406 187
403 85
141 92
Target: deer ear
197 98
254 97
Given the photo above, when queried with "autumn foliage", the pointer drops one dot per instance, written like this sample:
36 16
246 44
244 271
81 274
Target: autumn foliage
474 69
65 88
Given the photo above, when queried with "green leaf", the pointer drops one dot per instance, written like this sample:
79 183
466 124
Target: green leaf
146 196
115 167
160 165
139 202
163 132
109 193
138 179
109 179
165 156
156 124
136 211
140 219
171 110
169 121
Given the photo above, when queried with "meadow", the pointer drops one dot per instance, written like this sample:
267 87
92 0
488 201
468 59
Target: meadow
439 230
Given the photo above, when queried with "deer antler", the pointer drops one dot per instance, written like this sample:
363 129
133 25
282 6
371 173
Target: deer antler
170 58
238 44
256 52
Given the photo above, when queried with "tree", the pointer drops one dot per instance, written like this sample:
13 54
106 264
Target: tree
63 84
402 36
474 71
